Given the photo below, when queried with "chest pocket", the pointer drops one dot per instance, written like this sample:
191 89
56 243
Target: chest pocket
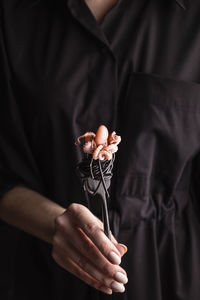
160 129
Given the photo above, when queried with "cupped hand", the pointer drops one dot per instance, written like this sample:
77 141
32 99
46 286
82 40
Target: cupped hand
81 247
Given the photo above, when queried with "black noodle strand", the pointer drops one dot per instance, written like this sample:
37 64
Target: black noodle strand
100 171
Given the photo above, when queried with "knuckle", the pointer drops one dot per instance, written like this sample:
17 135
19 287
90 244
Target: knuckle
106 269
73 208
81 263
106 249
59 222
91 227
105 281
99 223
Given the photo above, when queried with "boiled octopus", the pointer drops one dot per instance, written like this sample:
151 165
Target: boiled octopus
101 145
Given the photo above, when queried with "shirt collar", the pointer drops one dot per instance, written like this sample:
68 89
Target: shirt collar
182 3
81 12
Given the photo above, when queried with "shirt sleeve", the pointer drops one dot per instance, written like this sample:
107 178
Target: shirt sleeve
17 163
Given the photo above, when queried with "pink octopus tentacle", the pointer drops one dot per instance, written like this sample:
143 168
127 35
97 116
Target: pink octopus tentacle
114 139
96 152
112 148
101 145
103 154
94 145
89 136
87 147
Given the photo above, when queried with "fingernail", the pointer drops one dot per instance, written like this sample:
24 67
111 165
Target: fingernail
114 258
125 249
117 287
106 290
121 277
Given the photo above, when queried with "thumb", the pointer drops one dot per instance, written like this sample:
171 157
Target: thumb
121 248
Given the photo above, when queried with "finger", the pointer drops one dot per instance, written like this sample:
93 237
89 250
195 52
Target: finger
76 244
84 219
122 249
113 239
92 253
85 264
71 267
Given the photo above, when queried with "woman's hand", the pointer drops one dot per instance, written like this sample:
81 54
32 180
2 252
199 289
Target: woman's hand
81 247
79 243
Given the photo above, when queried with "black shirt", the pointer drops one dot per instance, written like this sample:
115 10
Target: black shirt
138 72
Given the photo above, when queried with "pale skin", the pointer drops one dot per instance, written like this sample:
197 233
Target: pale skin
79 244
100 8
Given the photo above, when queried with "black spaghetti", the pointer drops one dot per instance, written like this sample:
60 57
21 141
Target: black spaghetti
101 172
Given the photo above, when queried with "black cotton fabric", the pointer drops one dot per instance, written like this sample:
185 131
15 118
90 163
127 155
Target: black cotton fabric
138 72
